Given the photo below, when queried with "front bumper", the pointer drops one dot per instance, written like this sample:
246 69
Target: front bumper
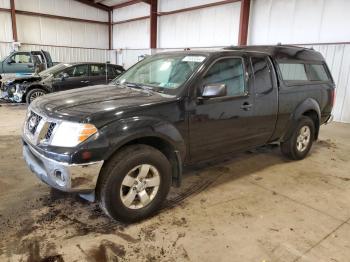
81 178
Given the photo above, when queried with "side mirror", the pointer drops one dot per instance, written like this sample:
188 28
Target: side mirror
64 76
10 61
214 90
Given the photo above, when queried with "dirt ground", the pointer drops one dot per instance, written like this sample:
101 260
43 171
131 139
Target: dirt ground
255 206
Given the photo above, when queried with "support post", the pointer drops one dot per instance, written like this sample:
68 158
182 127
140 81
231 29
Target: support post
244 22
13 19
153 23
110 15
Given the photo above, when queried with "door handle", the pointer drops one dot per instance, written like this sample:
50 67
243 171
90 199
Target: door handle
30 66
246 106
83 81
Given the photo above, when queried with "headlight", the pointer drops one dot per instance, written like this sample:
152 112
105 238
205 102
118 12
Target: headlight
70 134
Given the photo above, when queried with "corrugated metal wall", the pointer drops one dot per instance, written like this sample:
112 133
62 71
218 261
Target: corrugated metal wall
69 54
307 22
271 21
134 34
299 21
69 8
212 26
208 27
338 60
5 29
67 41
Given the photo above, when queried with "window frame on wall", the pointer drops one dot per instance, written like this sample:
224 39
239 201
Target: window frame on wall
244 66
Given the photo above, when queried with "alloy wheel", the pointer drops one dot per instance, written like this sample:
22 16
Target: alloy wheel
303 138
140 186
35 95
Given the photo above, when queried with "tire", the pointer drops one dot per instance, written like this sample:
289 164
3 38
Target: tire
34 93
299 143
114 186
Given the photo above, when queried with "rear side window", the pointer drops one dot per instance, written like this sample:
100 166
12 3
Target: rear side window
317 73
262 74
97 70
293 72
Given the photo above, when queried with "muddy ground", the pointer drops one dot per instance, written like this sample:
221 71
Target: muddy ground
255 206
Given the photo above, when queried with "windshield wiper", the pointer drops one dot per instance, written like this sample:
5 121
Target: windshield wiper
135 85
139 86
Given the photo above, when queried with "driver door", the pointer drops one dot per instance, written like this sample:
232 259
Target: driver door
224 124
76 76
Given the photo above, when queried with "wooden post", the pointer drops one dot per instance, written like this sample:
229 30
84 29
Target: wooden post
153 23
110 17
244 22
13 19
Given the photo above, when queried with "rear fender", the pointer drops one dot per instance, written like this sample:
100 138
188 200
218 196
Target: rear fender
307 105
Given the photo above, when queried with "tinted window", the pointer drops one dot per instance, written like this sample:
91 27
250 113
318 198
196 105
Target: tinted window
21 58
262 74
317 73
113 71
227 71
77 71
97 70
293 72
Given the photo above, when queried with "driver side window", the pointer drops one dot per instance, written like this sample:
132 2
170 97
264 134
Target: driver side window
77 71
228 71
21 58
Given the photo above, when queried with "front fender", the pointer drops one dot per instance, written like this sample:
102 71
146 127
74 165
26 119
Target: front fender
308 104
121 132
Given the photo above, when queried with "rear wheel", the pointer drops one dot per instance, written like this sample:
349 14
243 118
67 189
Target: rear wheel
34 94
134 183
299 143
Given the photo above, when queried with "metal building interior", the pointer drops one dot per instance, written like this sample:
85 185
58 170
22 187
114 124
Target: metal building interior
253 205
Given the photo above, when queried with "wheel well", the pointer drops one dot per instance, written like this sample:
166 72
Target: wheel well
31 88
314 116
166 148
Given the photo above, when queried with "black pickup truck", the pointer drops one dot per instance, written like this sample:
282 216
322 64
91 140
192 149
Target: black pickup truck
124 144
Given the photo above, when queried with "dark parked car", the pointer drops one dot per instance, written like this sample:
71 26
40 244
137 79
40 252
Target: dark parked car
124 144
58 78
25 62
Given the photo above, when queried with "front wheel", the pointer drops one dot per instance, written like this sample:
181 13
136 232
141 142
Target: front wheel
298 145
34 94
134 183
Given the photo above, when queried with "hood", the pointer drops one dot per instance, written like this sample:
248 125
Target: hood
20 78
95 103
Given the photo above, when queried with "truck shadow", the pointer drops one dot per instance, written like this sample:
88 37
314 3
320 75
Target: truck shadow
200 177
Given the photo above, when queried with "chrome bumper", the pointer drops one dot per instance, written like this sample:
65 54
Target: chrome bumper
63 176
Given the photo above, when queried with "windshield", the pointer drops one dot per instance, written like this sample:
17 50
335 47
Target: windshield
54 69
162 73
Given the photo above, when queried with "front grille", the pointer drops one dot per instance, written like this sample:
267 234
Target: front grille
39 129
50 131
33 122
